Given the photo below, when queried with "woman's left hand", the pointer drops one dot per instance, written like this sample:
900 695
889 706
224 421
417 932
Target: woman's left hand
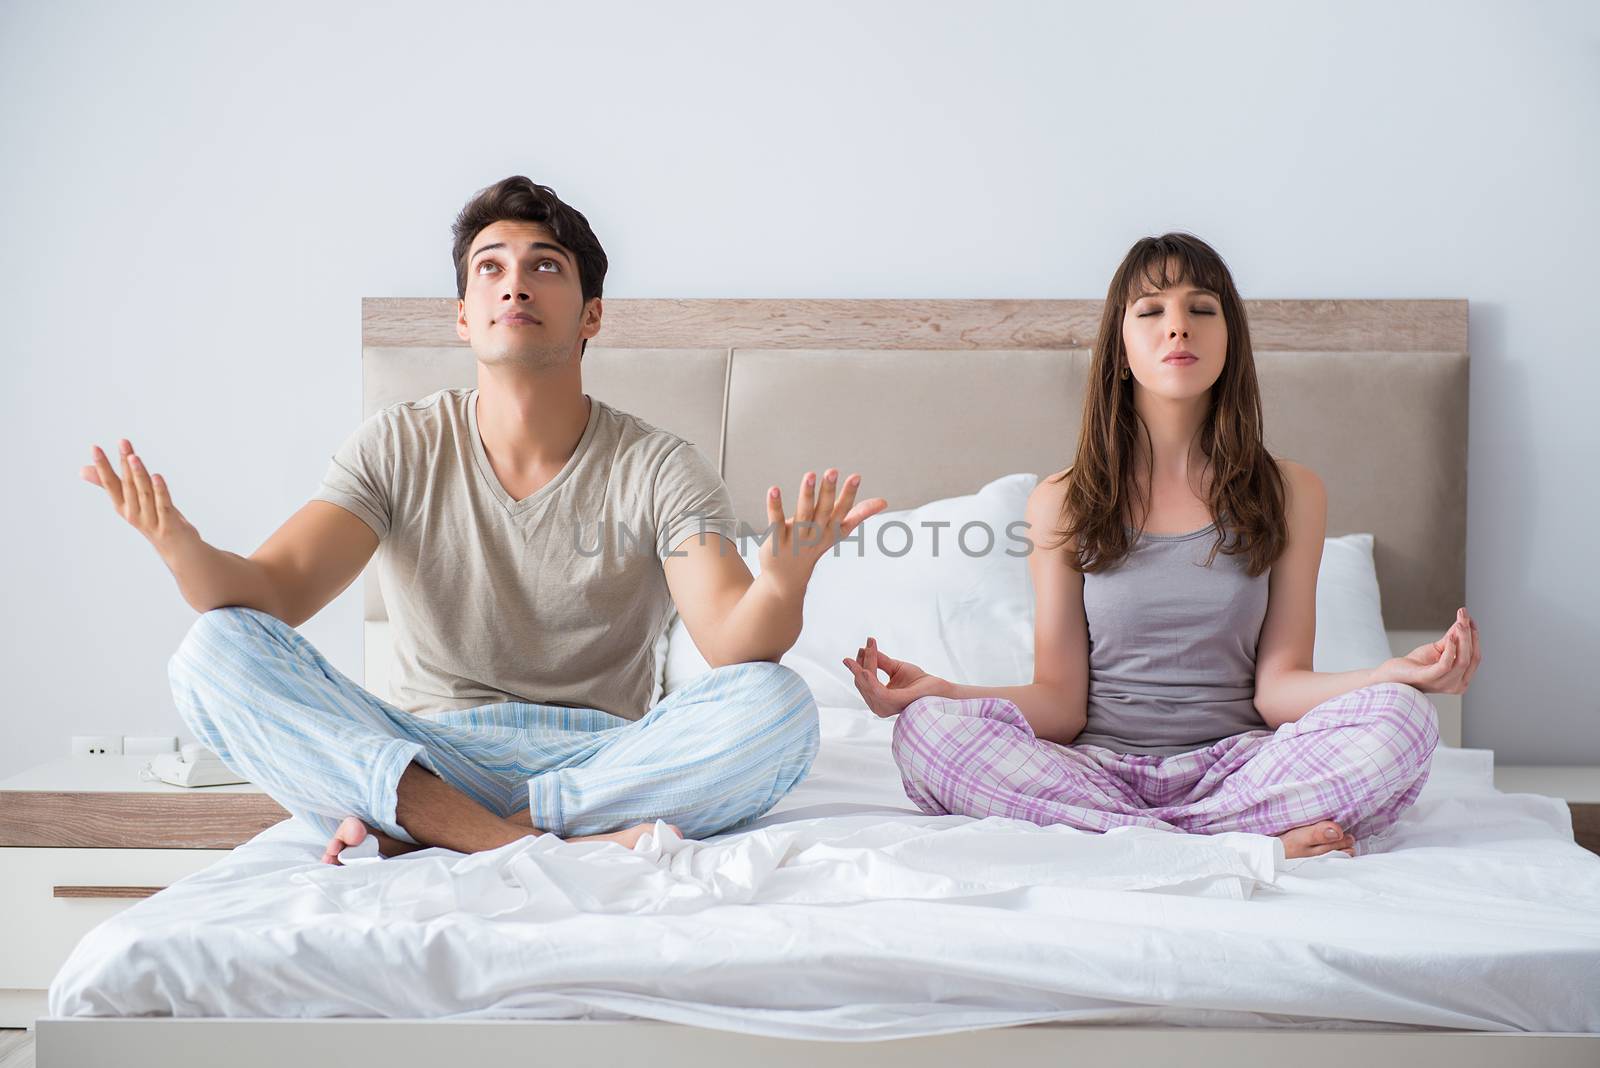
1444 666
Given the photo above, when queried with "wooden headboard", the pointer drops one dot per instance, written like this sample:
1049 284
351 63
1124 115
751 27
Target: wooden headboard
933 398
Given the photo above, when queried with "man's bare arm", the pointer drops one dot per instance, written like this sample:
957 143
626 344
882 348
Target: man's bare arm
305 564
733 617
313 557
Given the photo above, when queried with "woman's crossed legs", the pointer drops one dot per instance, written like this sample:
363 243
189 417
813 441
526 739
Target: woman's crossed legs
1350 766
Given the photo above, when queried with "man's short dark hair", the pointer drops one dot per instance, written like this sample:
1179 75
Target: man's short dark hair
520 200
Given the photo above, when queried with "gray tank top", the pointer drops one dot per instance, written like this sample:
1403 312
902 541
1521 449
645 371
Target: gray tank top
1172 646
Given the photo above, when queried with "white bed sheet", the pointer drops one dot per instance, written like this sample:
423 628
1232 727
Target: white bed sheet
845 913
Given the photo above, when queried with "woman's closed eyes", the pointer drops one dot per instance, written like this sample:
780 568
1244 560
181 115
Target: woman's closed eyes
1157 311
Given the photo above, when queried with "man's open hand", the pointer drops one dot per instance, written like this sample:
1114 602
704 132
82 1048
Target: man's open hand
821 518
140 498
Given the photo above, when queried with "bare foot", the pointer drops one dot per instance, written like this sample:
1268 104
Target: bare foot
1316 839
628 836
353 832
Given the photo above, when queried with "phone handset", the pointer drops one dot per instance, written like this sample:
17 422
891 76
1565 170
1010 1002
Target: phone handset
193 765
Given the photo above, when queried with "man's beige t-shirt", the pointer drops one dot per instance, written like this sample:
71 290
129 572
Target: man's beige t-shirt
554 599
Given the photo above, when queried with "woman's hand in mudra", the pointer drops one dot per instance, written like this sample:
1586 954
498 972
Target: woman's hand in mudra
907 682
1444 666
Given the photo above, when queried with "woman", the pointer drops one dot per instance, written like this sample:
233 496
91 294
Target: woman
1172 680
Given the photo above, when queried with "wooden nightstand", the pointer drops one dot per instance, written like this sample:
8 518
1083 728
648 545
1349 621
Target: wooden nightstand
1579 787
83 838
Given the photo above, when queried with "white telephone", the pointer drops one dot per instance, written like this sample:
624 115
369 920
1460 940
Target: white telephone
193 765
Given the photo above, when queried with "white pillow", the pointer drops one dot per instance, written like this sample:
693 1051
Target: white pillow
970 619
1350 630
911 585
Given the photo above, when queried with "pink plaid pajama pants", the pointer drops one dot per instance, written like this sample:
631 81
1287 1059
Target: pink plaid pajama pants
1360 759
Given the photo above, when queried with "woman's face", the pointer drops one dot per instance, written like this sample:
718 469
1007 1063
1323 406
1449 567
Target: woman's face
1176 339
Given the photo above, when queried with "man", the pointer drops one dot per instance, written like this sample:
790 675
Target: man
524 655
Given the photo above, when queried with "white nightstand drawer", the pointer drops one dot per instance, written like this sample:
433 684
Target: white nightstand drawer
39 927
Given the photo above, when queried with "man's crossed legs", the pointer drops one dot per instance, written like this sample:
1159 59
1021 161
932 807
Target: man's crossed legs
715 754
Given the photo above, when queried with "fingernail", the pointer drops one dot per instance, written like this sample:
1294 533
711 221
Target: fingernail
833 476
1330 833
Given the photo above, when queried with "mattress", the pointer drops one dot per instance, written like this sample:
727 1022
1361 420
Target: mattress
846 914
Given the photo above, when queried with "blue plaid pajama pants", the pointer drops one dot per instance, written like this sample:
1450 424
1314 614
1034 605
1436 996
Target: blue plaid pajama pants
715 754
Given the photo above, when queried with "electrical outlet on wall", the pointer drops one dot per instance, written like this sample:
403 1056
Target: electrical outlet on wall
97 745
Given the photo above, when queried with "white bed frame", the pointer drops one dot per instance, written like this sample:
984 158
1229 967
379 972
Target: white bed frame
1350 387
343 1043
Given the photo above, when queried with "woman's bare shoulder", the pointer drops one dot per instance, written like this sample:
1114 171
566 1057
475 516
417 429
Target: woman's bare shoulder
1300 479
1045 504
1054 482
1049 493
1287 466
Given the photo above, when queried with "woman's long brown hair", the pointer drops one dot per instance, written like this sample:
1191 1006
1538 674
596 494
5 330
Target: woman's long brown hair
1247 486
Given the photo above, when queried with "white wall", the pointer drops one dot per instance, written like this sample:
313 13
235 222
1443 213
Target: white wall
192 203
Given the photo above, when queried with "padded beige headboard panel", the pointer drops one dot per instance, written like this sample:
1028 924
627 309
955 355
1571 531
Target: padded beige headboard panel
931 399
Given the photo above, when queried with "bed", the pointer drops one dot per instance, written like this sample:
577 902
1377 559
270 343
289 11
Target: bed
845 915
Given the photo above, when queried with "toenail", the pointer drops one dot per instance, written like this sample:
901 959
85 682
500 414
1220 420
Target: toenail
1330 833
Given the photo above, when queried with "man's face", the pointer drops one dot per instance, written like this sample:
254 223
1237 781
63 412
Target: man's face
524 302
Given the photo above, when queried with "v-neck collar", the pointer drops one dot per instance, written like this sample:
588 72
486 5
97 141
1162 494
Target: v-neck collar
486 469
